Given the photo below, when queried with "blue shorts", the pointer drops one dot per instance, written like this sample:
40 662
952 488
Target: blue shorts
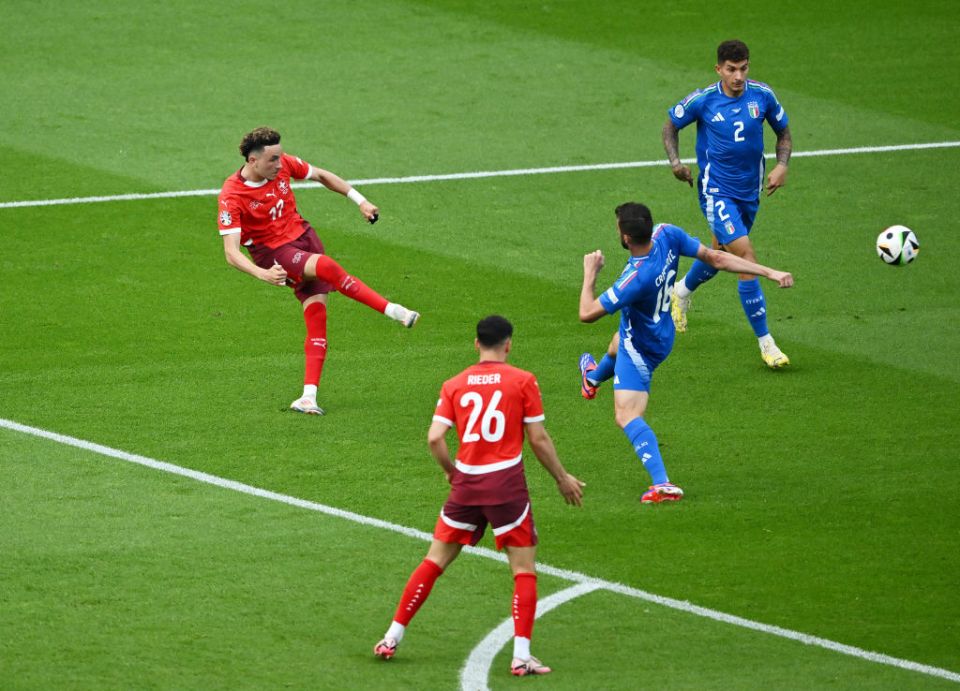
728 218
633 369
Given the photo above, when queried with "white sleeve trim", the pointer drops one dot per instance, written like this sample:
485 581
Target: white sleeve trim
439 418
310 171
230 231
535 418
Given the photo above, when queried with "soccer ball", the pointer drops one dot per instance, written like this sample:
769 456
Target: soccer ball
897 245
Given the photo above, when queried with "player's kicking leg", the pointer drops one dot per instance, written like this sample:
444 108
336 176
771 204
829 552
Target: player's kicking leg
325 268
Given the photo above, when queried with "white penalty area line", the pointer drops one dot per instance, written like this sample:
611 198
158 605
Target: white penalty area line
469 176
572 576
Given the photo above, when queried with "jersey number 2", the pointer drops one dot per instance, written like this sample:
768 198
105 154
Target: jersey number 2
493 422
738 131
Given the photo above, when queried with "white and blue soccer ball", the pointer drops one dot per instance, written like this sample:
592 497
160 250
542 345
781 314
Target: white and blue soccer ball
897 245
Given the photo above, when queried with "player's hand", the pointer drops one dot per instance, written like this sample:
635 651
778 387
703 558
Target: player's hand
275 275
370 212
572 489
784 278
777 178
682 173
592 262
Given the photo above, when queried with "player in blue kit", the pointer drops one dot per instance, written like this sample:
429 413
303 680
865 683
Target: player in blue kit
642 295
730 116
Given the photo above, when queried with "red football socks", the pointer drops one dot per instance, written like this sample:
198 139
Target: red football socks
330 271
418 588
315 344
524 604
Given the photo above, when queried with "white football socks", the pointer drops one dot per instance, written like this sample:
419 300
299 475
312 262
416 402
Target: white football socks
310 391
395 631
521 647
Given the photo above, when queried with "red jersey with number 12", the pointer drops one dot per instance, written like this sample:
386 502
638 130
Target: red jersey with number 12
489 403
264 213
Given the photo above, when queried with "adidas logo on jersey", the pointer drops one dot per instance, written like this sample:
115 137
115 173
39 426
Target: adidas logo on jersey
718 118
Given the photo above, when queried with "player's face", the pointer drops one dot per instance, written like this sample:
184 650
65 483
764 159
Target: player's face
733 76
266 163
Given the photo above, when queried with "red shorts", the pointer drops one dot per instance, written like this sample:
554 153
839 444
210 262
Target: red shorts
292 256
512 524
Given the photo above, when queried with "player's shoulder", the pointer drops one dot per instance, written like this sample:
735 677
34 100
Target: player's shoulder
762 87
232 185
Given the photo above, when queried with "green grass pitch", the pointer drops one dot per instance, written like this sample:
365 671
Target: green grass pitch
823 500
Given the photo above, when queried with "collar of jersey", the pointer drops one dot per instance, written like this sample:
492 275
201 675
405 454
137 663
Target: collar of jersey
249 183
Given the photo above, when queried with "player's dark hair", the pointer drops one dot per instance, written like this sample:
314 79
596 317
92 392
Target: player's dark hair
493 331
733 50
635 220
257 139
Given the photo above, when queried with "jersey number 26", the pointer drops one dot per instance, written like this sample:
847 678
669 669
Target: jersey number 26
492 423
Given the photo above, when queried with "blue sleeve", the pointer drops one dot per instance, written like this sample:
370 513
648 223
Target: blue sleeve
621 292
686 245
687 110
776 115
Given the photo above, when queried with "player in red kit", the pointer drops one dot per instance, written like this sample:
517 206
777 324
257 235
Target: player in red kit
258 211
492 405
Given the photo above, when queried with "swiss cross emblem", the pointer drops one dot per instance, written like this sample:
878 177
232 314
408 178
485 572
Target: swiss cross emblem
225 218
754 109
283 187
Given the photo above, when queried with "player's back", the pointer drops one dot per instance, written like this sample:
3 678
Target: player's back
644 288
489 403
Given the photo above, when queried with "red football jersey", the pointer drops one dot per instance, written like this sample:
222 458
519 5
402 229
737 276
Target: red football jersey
264 213
489 403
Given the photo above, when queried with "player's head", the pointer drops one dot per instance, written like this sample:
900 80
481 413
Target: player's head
494 333
261 150
733 63
635 224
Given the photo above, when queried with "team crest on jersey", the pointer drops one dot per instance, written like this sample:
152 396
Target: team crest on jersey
729 227
283 186
225 218
754 108
255 204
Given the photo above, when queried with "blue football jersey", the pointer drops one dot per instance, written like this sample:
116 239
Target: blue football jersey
642 293
730 136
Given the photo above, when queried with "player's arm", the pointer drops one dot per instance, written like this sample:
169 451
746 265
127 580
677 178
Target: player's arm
725 261
778 176
570 487
437 440
335 183
671 144
238 260
590 308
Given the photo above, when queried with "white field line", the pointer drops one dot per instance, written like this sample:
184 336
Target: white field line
468 176
476 671
572 576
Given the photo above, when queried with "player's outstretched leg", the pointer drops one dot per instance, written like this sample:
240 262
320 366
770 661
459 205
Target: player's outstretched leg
699 273
414 595
329 270
755 308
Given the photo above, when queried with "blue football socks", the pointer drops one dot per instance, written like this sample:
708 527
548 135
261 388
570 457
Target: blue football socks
754 306
699 273
604 370
645 445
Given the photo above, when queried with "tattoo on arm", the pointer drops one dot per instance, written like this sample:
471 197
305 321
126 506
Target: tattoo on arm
784 146
671 142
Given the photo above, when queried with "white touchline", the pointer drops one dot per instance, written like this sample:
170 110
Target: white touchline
574 576
469 176
476 670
